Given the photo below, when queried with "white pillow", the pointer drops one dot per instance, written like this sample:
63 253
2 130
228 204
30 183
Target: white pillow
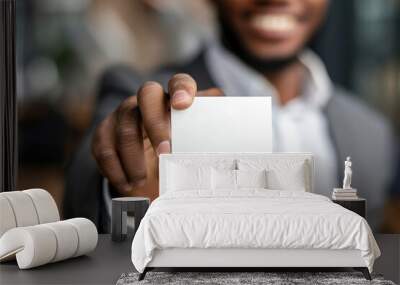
282 174
223 179
251 178
184 177
292 179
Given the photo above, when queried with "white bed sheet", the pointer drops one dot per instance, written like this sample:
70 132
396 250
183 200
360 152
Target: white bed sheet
251 218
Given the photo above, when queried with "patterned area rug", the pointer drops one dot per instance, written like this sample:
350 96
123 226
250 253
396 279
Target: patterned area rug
230 278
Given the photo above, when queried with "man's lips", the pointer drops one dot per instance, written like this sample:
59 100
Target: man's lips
273 26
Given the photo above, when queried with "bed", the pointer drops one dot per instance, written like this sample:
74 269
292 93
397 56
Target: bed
247 211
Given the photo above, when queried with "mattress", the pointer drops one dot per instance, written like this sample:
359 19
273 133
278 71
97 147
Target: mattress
250 218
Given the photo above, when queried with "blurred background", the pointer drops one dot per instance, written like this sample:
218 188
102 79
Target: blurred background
64 45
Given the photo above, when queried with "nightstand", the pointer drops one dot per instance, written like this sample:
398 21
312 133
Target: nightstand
121 208
358 206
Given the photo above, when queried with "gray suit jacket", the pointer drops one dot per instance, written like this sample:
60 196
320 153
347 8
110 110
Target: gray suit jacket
356 130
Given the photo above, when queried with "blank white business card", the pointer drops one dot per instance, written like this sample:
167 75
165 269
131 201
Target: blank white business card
223 124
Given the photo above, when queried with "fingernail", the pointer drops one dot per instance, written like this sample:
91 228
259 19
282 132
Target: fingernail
126 188
163 147
180 97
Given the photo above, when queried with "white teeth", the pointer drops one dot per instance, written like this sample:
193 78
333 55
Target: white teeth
278 23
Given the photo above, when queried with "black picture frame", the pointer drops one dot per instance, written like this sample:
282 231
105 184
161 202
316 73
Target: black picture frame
8 100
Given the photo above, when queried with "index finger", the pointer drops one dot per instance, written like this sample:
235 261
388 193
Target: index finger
106 155
182 88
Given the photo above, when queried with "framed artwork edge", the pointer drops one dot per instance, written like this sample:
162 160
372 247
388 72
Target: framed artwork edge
8 100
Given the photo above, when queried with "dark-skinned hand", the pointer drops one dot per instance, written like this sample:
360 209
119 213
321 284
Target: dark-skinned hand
127 143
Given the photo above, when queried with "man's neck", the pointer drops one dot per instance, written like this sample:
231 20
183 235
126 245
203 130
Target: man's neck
288 81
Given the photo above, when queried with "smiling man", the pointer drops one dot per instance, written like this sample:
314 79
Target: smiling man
262 51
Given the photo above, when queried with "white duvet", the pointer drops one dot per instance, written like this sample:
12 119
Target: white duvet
250 218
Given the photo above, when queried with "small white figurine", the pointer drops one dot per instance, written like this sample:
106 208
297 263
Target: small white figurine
347 173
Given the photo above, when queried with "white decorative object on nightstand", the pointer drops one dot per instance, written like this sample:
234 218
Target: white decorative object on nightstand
347 192
348 173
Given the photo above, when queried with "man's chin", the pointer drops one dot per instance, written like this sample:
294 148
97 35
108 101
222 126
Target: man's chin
267 63
261 63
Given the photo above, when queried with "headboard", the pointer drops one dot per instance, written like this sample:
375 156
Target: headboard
232 160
